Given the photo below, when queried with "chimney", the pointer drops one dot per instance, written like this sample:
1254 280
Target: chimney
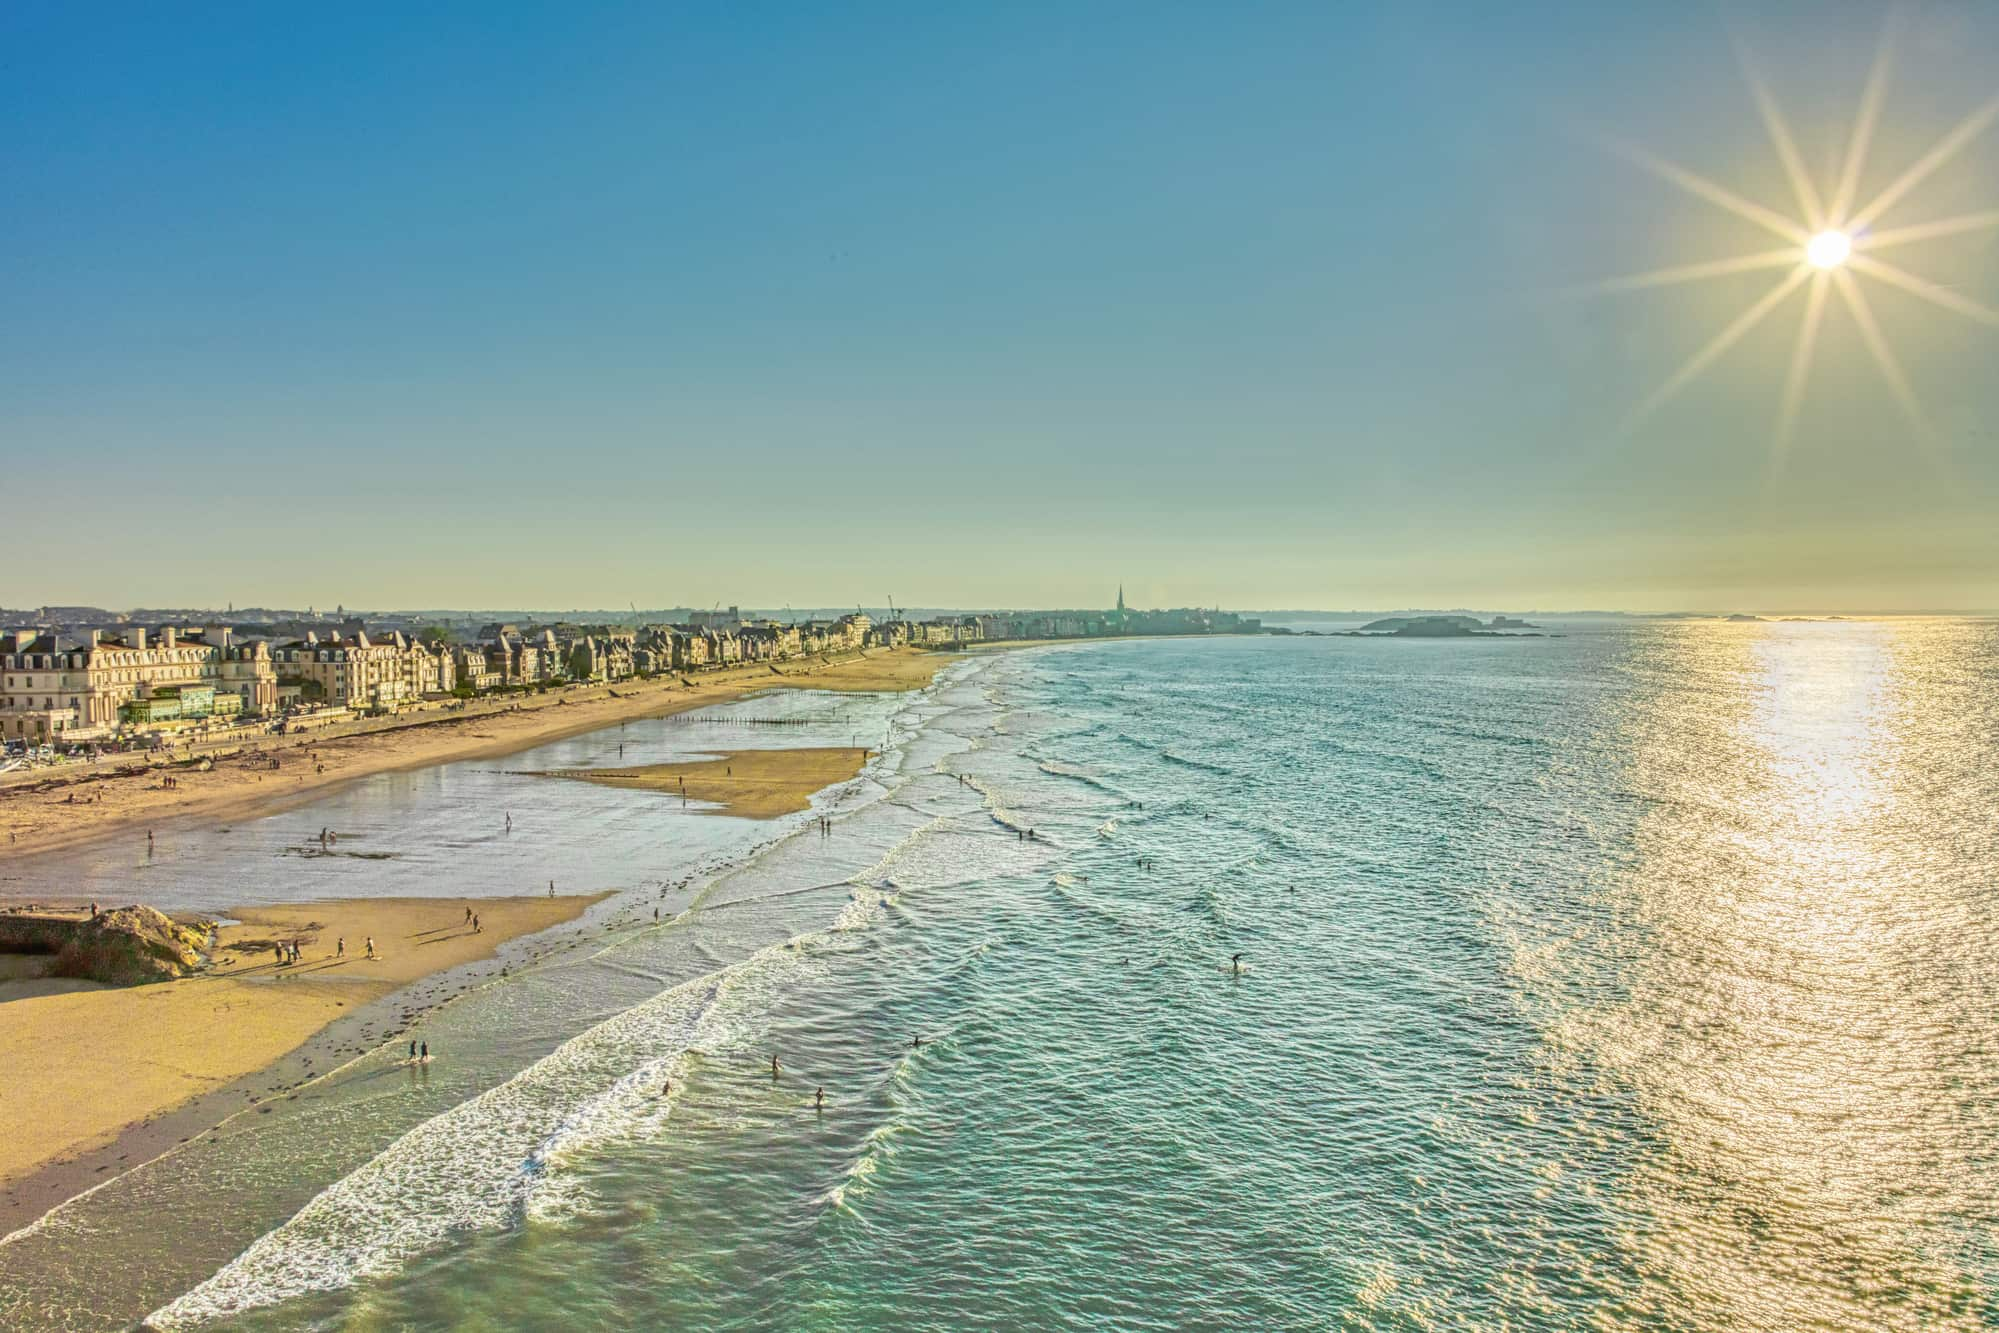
169 636
137 636
96 636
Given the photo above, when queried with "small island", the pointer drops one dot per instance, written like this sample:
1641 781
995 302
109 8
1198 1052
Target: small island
1446 627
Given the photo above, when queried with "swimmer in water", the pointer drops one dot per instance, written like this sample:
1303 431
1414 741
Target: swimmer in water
1235 961
819 1100
412 1050
773 1069
916 1040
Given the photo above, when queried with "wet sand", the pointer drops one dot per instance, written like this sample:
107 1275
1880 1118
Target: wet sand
84 1066
751 784
112 805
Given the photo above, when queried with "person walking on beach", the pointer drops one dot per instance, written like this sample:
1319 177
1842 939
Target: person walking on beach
468 917
279 950
340 947
426 1052
477 929
371 946
412 1051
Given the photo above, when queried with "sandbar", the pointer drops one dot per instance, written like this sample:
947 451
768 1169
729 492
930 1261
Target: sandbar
750 784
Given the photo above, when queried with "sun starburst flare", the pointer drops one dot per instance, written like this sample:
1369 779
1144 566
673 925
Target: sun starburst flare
1829 243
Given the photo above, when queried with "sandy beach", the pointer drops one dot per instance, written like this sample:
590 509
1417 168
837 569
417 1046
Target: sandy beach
751 784
89 1063
63 811
96 1073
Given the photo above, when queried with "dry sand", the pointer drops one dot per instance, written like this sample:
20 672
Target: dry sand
752 784
37 820
83 1066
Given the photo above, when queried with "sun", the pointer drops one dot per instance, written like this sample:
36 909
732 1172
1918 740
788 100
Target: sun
1830 242
1829 249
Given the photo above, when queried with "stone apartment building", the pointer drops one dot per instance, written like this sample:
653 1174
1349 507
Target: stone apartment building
56 687
362 673
603 656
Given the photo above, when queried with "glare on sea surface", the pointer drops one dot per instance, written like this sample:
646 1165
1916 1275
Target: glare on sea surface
1796 1027
1829 249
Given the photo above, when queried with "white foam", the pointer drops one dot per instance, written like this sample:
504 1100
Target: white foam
498 1159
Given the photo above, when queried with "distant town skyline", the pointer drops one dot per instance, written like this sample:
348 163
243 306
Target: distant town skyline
983 307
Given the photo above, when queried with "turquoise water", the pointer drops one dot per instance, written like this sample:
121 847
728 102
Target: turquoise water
1639 978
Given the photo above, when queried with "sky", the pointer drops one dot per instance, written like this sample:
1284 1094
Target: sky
1265 305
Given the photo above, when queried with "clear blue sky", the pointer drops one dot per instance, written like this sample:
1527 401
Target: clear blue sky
965 304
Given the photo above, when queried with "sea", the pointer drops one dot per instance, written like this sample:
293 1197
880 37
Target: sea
1641 975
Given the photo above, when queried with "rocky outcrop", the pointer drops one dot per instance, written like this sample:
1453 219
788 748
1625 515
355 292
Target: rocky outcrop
124 946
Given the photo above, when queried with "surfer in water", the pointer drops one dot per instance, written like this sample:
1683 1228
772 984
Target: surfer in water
819 1100
773 1069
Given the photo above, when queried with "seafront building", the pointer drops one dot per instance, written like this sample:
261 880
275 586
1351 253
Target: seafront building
57 688
363 674
307 671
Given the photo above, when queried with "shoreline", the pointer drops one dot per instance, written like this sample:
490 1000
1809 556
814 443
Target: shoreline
38 819
319 1020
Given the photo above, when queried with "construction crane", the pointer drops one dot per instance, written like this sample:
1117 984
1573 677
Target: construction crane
891 609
